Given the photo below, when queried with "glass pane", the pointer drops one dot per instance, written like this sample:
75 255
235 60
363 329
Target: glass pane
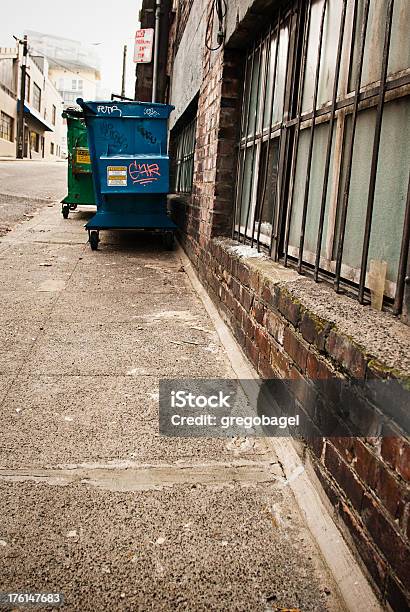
391 186
315 189
311 57
267 187
279 89
399 57
248 70
331 30
246 186
254 96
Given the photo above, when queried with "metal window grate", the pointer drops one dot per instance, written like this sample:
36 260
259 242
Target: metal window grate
184 159
323 163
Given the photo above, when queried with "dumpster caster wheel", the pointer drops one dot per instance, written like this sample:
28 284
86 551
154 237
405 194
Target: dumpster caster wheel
94 240
168 238
65 209
73 206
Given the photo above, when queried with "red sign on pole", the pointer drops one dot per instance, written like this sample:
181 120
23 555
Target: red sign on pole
143 46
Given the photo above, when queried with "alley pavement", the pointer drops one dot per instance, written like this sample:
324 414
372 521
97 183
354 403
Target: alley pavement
94 503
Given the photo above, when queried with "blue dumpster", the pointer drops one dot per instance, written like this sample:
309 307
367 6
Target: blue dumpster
129 156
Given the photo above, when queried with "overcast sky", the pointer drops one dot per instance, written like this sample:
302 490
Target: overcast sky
111 23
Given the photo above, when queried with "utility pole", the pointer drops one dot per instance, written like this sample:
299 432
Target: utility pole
124 70
20 123
156 50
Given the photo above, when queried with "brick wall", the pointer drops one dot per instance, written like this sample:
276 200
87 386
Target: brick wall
184 8
143 72
366 479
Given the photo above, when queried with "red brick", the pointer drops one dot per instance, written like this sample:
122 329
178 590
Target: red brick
343 474
265 369
280 361
396 452
246 299
254 281
243 273
318 369
258 311
345 448
295 348
270 294
249 326
328 486
289 307
235 288
274 325
314 329
345 352
262 340
371 557
385 536
365 463
390 491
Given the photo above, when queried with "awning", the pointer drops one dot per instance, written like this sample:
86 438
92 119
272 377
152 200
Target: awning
30 112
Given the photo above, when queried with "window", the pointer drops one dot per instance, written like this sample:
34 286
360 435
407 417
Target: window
184 158
69 97
323 155
28 88
52 148
53 114
8 76
36 97
6 127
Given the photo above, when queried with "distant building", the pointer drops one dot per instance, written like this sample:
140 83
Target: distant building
44 130
73 67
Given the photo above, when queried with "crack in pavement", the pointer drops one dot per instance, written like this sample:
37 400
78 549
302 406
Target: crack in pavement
129 476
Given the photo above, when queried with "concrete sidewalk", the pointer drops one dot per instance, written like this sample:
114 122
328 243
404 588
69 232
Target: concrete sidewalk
94 503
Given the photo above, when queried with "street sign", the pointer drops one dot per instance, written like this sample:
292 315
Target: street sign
143 46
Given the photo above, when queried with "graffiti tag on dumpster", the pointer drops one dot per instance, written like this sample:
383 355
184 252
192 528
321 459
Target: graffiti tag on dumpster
110 133
151 112
144 174
108 110
147 134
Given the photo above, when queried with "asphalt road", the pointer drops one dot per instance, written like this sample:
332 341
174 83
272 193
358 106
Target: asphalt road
27 186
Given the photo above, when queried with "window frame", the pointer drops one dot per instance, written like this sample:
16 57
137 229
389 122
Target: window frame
8 121
345 102
36 97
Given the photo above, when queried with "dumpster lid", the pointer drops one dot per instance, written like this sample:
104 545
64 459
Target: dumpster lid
126 109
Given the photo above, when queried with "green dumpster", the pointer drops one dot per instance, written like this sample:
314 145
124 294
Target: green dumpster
80 181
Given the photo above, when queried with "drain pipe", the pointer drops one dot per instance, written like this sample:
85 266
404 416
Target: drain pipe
156 50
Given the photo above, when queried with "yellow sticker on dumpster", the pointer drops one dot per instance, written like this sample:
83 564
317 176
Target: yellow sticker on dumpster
83 156
117 176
